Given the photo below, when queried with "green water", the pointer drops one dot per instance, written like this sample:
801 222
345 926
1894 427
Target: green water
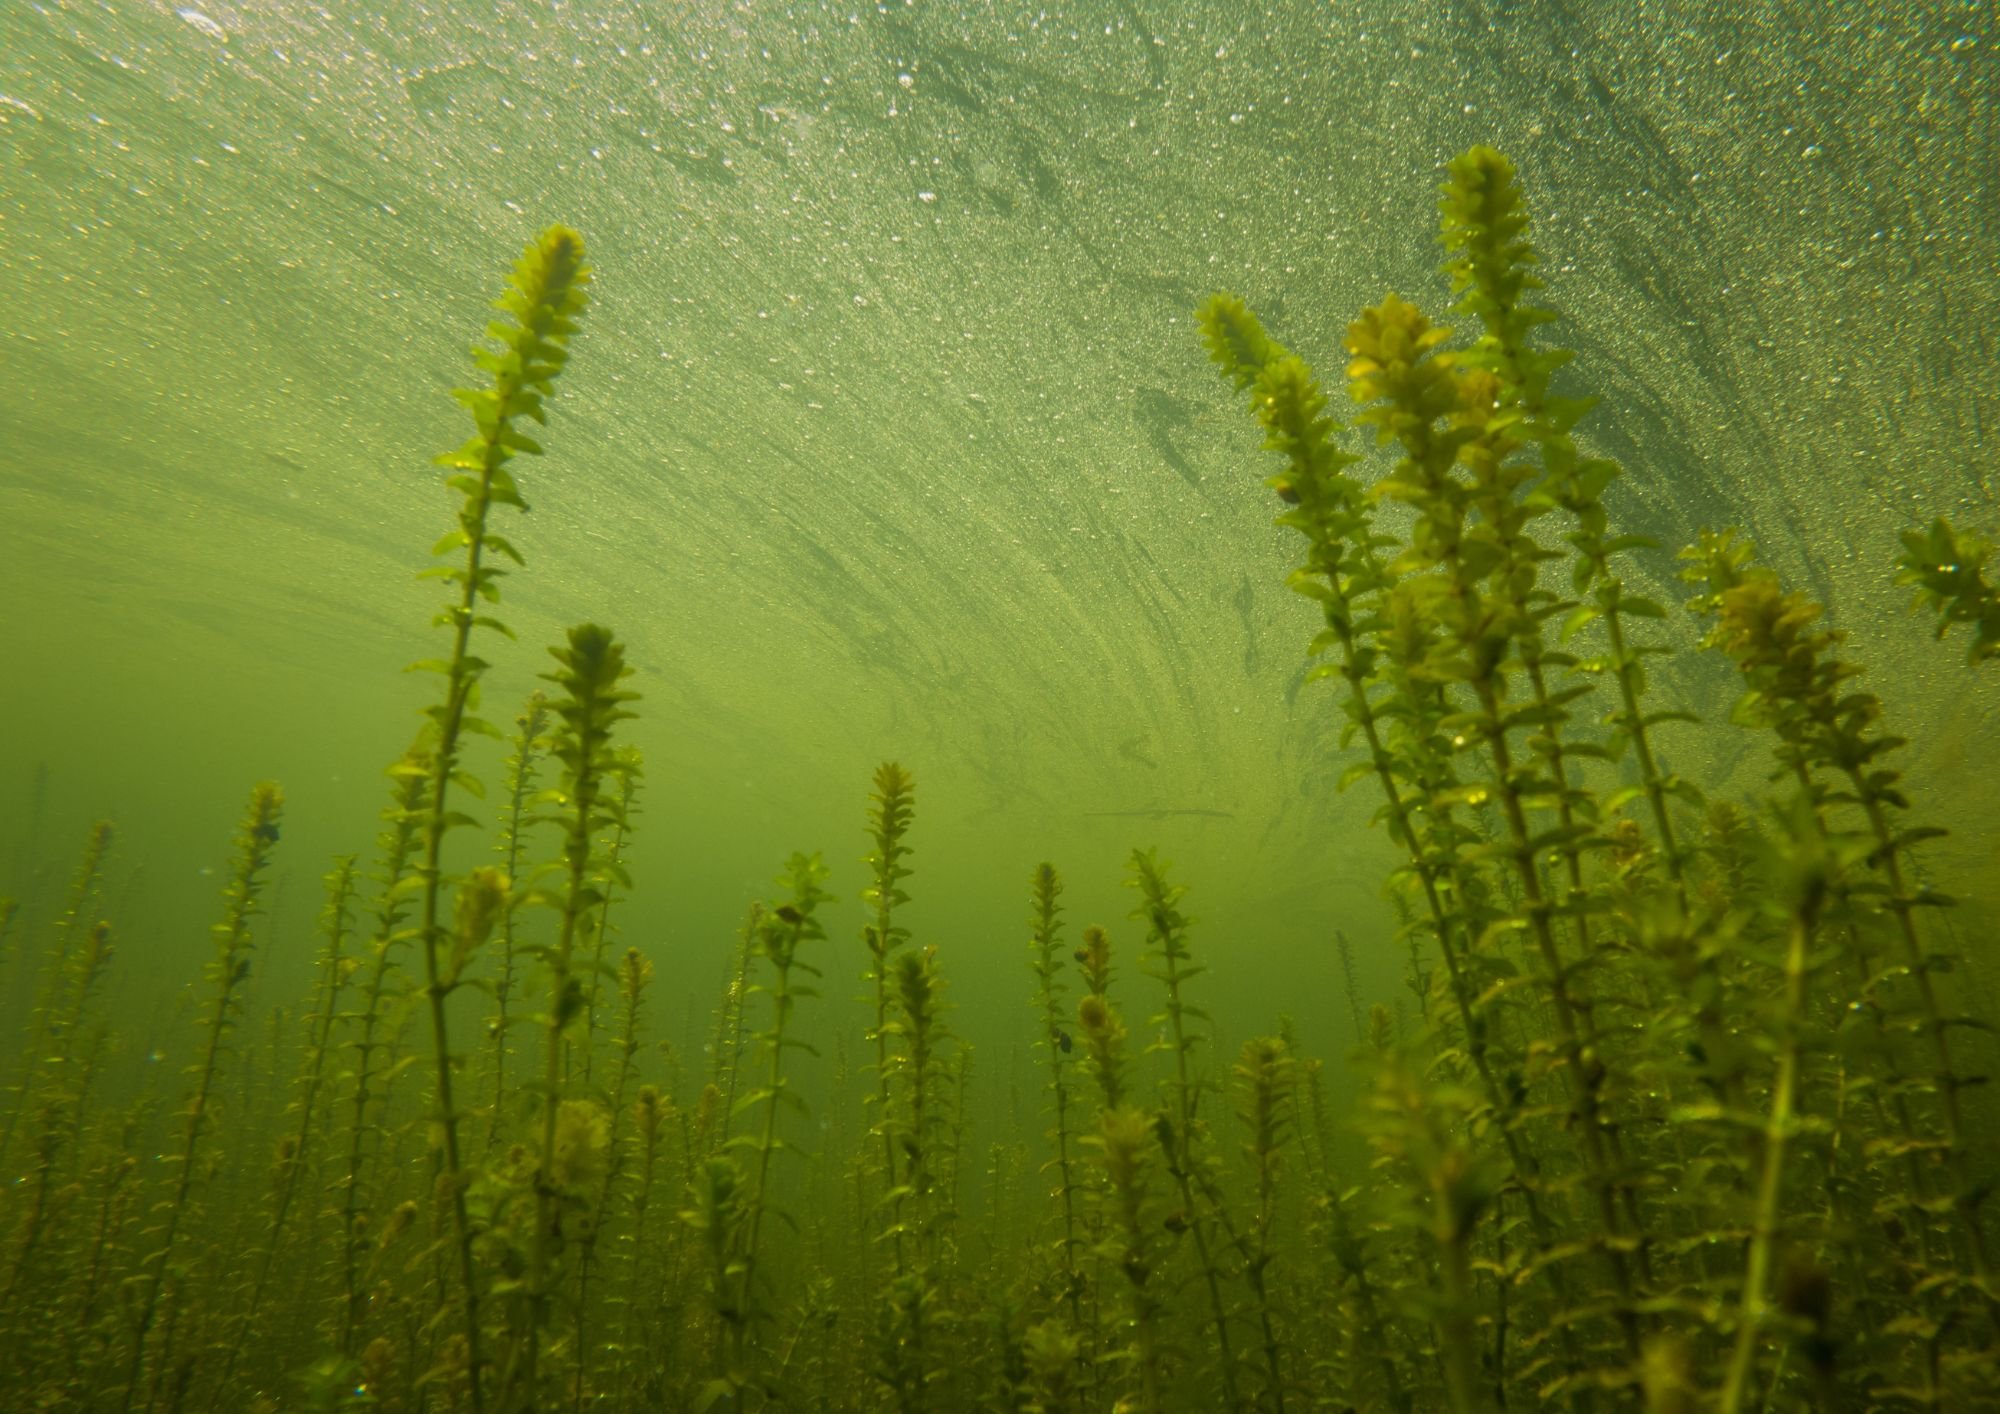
889 436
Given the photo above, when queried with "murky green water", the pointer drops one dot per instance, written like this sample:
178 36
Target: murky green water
889 436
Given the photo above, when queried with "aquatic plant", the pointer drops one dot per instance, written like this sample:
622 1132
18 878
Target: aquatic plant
589 676
1127 1146
1265 1093
519 782
1045 956
1947 568
1097 1020
726 1051
56 1103
735 1224
1594 965
652 1111
624 772
1202 1208
1800 687
634 973
335 920
544 300
229 965
369 1044
892 806
57 975
1678 1107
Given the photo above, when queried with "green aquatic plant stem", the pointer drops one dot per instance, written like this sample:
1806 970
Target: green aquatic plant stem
1045 956
727 1069
1266 1075
1808 890
1349 1248
529 746
891 809
917 989
1344 575
544 300
1103 1032
114 1189
70 1062
914 1204
334 922
1126 1141
57 974
634 973
785 929
1173 966
57 1104
397 846
1491 259
650 1114
227 969
1800 684
1484 228
1405 383
627 767
589 677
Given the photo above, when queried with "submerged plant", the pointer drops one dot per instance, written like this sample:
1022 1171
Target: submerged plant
369 1033
1045 956
1201 1201
891 808
1684 1113
544 303
1947 568
227 969
335 921
529 745
590 677
1588 1062
733 1219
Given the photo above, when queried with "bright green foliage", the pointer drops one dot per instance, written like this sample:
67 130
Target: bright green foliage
544 303
1947 567
1832 744
1589 1064
1686 1117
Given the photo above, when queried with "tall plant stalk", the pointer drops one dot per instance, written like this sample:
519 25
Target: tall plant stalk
227 969
590 673
335 920
1045 956
544 301
521 765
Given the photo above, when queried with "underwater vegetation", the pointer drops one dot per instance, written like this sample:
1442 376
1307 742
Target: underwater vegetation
1682 1110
